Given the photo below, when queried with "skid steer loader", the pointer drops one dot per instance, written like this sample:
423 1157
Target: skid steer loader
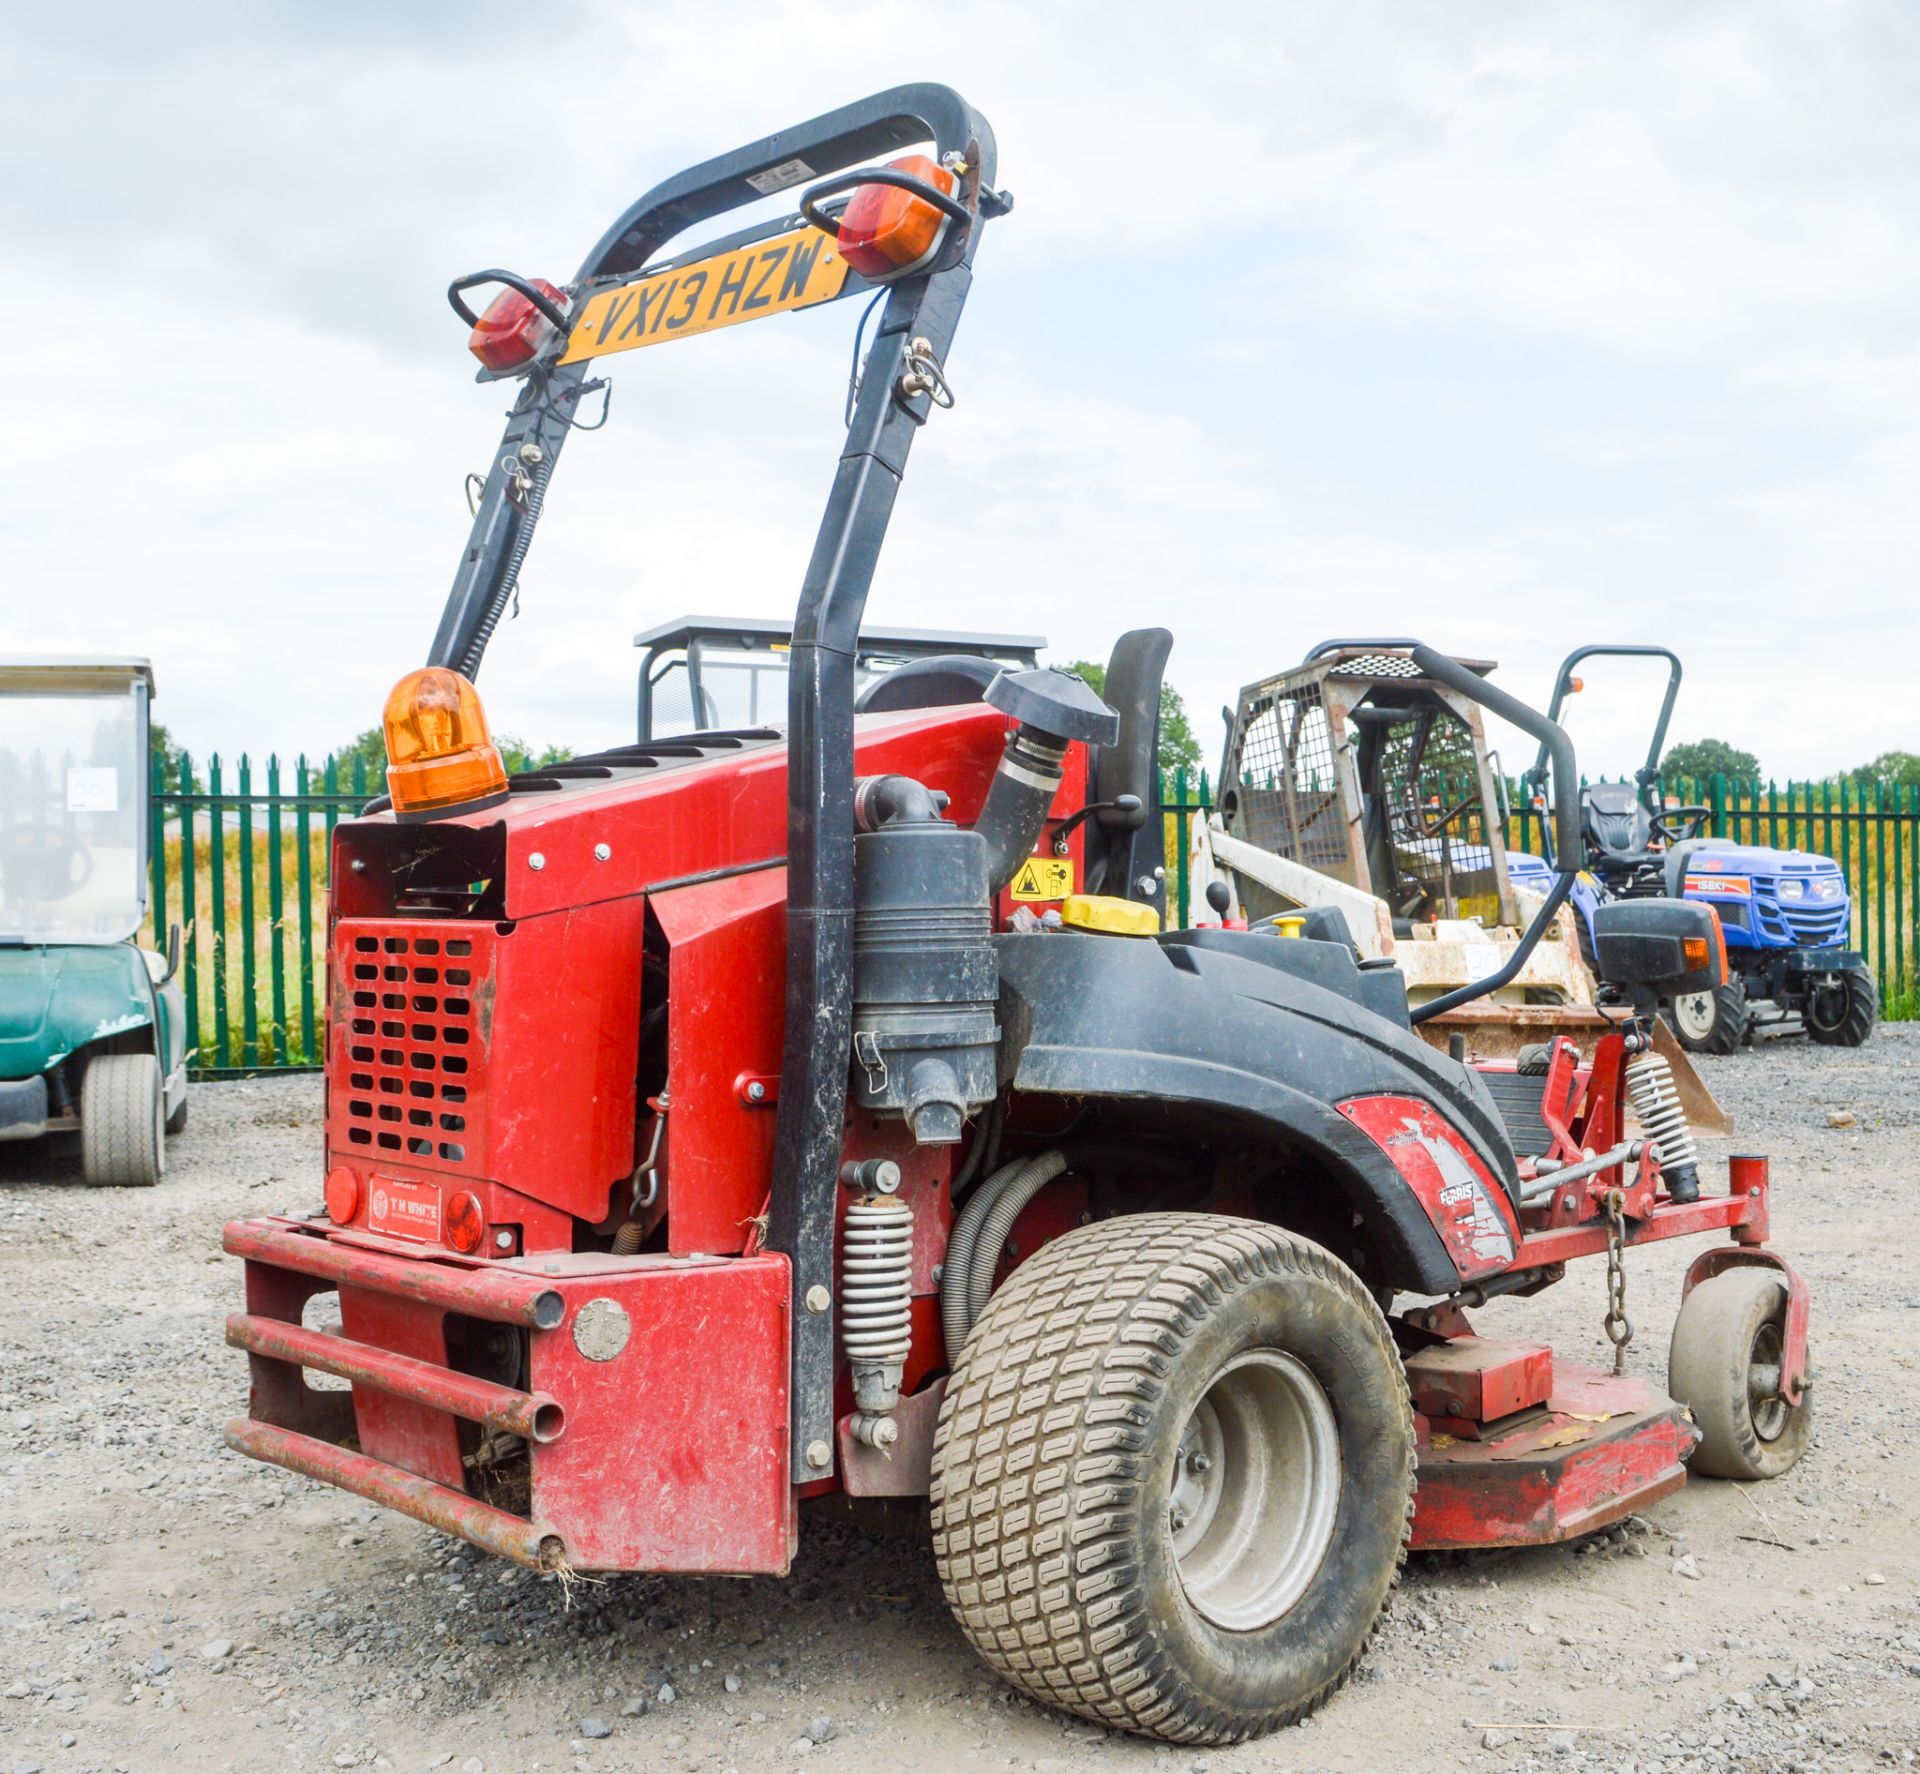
1354 788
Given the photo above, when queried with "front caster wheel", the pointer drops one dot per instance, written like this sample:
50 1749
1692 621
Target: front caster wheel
1173 1477
1724 1365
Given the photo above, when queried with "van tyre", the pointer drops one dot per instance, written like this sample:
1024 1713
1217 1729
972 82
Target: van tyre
1843 1016
1724 1366
1173 1476
1711 1022
121 1142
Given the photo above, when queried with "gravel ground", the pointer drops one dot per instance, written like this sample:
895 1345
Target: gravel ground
165 1605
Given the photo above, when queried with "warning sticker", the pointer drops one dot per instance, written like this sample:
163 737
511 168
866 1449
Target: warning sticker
778 178
404 1210
1043 877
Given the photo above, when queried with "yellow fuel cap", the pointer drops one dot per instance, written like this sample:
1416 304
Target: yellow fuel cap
1109 917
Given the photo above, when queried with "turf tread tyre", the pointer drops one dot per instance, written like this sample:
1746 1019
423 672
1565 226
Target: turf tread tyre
1707 1371
1862 1013
1732 1019
121 1143
1044 1477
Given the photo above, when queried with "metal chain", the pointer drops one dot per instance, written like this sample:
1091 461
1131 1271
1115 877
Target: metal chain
1617 1325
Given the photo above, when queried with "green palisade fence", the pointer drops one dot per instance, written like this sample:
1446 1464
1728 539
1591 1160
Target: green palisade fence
1871 829
252 905
239 862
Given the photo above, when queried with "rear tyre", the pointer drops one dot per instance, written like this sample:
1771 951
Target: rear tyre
1843 1015
121 1143
1711 1022
1173 1477
1724 1366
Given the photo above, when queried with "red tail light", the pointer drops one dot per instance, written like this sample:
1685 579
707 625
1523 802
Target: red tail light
512 330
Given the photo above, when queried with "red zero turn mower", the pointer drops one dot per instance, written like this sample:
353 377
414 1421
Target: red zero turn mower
780 1115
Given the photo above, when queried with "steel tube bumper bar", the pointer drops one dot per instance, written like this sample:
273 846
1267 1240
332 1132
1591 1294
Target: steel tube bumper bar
450 1511
532 1415
1744 1213
491 1291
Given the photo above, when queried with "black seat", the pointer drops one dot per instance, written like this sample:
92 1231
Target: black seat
1617 825
939 681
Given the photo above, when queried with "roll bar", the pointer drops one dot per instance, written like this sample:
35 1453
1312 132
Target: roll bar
1555 744
921 314
1334 646
543 415
1649 772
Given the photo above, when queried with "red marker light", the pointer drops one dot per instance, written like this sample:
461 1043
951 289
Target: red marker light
343 1196
512 330
465 1225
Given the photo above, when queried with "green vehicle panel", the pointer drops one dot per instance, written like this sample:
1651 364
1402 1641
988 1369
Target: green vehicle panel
56 1001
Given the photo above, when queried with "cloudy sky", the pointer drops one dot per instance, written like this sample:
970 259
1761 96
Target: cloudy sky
1508 325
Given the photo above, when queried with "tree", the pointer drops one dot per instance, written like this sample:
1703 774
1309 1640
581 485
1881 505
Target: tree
1698 759
170 757
1179 750
370 748
516 754
1902 767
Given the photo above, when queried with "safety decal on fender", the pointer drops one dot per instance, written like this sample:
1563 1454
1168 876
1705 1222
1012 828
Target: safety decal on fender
793 270
1475 1220
1043 877
1445 1177
404 1210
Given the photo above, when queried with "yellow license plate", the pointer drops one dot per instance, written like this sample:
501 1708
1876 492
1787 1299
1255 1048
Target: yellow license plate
797 270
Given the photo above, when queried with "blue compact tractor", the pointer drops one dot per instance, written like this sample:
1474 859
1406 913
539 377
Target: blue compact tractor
1784 913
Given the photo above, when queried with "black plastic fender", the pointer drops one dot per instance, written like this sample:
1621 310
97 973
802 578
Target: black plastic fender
1090 1016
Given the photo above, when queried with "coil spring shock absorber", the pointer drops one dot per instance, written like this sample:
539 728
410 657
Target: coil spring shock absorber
1650 1088
876 1296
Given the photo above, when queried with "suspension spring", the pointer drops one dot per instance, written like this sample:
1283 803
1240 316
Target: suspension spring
1650 1088
876 1304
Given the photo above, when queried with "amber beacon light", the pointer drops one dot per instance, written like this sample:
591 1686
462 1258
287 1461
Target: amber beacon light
440 759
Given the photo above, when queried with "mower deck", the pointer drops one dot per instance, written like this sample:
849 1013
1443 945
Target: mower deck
1570 1451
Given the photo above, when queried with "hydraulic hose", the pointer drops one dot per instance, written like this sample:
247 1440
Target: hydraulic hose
980 1235
986 1140
498 598
957 1260
1008 1204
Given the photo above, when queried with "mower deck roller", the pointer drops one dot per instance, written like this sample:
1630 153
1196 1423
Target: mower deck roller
723 1121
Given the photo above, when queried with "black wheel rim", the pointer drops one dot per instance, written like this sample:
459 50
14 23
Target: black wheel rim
1765 1406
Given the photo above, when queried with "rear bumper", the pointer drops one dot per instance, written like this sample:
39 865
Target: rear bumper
580 1411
